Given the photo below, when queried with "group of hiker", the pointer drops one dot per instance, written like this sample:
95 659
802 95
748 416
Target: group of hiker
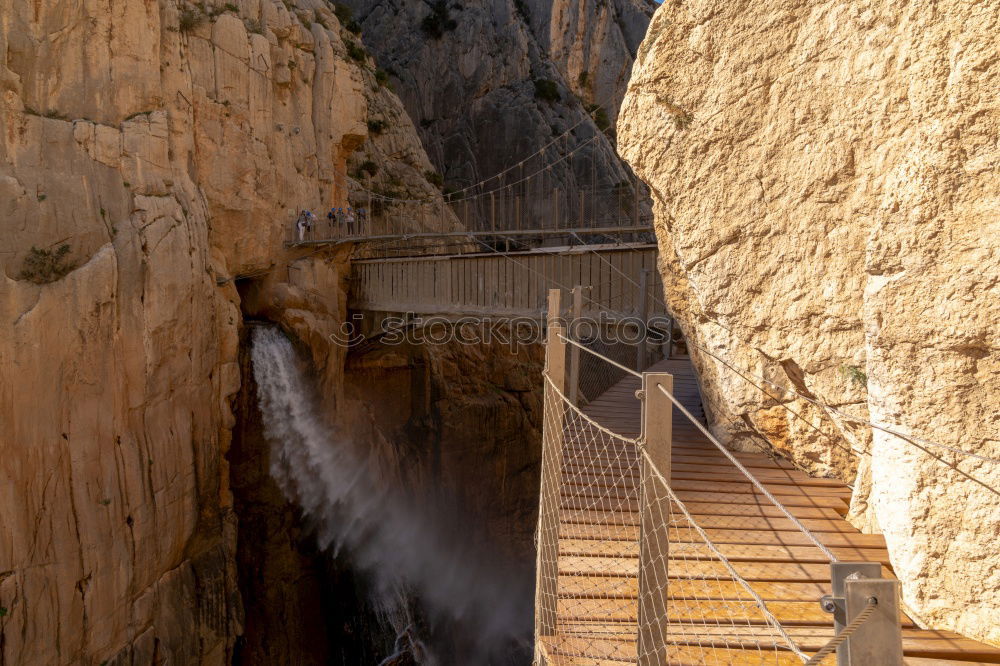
341 220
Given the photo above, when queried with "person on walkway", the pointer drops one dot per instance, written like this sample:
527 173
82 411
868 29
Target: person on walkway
331 218
362 220
300 226
311 221
350 220
338 215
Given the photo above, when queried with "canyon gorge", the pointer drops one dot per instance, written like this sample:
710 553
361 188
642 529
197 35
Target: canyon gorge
827 208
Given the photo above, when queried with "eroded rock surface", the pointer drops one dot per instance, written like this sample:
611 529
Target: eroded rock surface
826 196
168 146
467 75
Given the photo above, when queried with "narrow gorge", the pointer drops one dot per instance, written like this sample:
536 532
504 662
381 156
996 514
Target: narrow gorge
214 451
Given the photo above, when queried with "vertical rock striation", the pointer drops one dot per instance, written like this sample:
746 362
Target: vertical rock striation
826 195
167 146
467 73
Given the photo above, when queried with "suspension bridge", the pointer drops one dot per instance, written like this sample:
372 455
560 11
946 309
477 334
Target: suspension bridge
656 544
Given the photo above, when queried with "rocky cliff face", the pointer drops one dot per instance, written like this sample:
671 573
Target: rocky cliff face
592 43
468 75
825 185
166 146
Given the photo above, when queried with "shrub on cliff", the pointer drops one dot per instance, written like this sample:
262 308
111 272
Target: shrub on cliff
547 90
44 266
439 21
190 19
355 51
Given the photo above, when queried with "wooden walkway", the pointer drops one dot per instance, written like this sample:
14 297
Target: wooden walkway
778 561
511 284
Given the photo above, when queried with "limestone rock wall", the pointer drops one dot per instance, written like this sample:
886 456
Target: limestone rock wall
167 145
826 196
471 88
593 43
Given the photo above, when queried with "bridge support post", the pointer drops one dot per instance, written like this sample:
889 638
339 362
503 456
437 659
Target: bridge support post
655 510
642 298
879 639
547 566
573 389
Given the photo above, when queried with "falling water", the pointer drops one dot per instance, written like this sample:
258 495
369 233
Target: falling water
400 543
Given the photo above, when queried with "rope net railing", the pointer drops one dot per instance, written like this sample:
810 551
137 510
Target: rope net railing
684 602
534 200
647 560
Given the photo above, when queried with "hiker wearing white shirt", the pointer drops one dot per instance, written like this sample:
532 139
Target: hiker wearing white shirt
300 225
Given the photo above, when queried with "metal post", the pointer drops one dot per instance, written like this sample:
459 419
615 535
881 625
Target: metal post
635 203
555 206
493 213
643 301
879 640
654 546
574 352
547 569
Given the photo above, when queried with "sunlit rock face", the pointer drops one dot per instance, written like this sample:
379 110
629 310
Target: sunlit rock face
826 194
168 147
467 76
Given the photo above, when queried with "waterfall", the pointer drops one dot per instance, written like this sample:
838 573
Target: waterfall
400 543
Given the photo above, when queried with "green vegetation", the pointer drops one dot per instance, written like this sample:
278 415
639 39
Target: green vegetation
230 7
346 18
41 197
368 167
434 178
855 375
377 127
45 266
584 79
547 90
355 51
382 77
439 21
600 116
3 611
522 10
682 120
191 18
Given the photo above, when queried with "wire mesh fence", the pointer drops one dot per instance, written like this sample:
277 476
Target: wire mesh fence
625 571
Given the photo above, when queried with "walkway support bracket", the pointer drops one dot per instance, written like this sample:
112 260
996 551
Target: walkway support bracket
879 640
654 547
547 568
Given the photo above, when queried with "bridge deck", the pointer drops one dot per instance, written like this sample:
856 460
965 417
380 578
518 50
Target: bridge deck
597 583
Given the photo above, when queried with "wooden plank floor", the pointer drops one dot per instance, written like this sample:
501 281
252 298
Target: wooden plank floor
712 619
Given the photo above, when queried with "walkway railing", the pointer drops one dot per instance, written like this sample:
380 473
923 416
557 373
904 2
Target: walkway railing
512 284
626 570
530 207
